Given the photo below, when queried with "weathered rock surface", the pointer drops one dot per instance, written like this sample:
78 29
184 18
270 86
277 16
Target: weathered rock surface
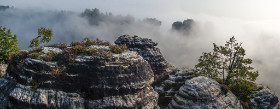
91 81
168 88
203 93
147 49
264 98
3 68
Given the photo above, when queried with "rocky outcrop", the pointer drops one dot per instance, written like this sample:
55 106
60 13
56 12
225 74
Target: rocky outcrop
3 68
147 49
57 78
183 27
203 93
168 88
264 98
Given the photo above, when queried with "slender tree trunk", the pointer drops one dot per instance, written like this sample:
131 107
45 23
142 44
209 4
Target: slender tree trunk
223 74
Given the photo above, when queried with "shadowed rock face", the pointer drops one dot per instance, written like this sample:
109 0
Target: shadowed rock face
183 27
168 88
147 49
264 98
203 93
91 81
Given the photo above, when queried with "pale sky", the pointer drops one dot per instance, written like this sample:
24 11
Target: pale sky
239 9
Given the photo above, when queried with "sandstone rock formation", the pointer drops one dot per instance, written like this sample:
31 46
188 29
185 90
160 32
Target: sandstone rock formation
95 78
183 27
203 93
99 75
168 88
3 68
147 49
264 98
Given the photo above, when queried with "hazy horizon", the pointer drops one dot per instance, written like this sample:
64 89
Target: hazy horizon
253 22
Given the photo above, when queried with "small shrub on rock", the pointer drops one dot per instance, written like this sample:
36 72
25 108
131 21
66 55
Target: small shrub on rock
75 43
79 49
34 55
56 71
15 58
51 56
87 42
61 46
101 42
67 57
92 50
118 48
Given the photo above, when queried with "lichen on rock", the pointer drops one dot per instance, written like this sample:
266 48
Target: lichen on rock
147 49
90 80
203 93
264 98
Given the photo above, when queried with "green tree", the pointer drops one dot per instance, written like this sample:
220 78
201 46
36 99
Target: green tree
44 36
229 63
8 44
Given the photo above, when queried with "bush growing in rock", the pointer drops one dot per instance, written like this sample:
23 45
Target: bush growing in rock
15 58
67 57
34 55
56 71
61 45
75 43
92 50
8 44
228 62
51 56
118 48
87 42
44 36
79 49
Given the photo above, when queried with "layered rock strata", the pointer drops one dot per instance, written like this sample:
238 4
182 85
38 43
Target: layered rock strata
92 80
148 50
264 98
168 88
203 93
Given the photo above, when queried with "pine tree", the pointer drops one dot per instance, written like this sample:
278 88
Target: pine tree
229 62
8 44
44 36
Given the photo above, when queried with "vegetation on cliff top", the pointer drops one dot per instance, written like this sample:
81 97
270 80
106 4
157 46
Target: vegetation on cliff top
228 65
8 44
44 36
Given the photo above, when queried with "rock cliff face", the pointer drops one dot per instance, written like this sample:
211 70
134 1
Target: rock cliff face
168 88
3 68
86 80
203 93
96 74
264 98
147 49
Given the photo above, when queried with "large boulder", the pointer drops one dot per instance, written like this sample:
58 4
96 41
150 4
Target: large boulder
204 93
264 98
147 49
94 78
168 88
